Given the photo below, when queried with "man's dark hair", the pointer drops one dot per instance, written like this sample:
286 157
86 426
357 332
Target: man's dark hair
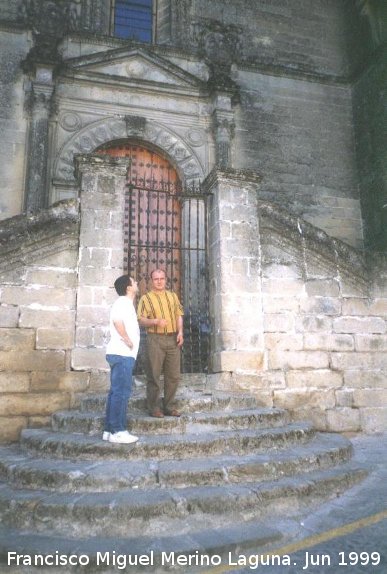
122 283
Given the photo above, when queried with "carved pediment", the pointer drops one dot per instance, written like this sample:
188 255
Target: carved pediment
133 65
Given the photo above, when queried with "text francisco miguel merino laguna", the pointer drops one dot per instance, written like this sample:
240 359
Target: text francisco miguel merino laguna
122 561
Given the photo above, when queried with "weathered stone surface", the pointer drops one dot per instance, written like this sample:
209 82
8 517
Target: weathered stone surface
31 404
22 339
33 360
14 382
314 378
54 338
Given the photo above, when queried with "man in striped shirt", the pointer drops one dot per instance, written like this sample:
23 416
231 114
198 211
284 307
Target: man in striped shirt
161 313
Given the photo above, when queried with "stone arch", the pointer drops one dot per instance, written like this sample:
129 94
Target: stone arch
88 139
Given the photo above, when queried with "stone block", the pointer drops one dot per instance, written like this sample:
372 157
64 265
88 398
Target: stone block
284 341
83 359
48 318
239 266
278 322
10 428
266 380
32 360
287 360
366 379
104 239
327 342
39 295
278 271
359 325
320 306
54 338
371 343
293 399
358 361
313 324
64 260
95 277
237 361
323 288
323 378
283 287
9 316
73 381
12 339
366 307
30 404
95 257
369 397
249 339
343 419
273 304
344 398
14 382
374 420
61 278
94 315
99 380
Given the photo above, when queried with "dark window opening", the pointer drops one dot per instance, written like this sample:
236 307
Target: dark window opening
133 20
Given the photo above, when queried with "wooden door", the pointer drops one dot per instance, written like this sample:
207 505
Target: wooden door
152 215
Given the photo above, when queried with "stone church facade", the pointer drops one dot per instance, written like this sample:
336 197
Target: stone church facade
269 117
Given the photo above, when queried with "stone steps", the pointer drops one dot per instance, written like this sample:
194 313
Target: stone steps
164 446
92 422
196 400
221 541
217 476
133 511
323 451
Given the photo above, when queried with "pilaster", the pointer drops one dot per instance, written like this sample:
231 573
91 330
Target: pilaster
235 272
102 182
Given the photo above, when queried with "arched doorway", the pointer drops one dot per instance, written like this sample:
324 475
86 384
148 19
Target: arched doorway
166 227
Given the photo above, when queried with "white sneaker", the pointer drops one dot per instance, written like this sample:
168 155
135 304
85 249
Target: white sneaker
105 435
122 437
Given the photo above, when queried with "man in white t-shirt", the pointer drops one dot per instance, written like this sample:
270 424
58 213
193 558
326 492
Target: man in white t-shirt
121 353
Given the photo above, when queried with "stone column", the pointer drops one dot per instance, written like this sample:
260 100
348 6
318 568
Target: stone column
224 127
235 272
40 109
102 181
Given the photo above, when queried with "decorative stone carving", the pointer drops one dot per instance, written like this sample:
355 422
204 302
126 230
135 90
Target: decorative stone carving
224 127
196 137
219 44
49 18
135 126
49 22
98 133
70 121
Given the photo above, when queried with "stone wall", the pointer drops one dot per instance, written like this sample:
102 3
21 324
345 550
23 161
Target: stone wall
14 45
313 308
299 134
38 277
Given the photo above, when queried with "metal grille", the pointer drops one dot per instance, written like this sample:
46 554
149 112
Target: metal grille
166 227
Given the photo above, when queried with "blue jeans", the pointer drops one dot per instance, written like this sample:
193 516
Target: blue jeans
120 389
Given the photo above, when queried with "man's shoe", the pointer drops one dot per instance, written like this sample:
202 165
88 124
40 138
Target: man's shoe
173 413
157 413
122 437
105 435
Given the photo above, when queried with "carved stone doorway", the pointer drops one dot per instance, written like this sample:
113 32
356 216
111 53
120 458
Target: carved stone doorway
166 227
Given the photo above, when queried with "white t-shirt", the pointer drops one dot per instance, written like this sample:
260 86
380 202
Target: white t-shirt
123 310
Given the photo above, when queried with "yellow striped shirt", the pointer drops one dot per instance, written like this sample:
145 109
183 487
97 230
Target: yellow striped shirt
160 305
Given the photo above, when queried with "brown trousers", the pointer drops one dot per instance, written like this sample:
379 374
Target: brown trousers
163 356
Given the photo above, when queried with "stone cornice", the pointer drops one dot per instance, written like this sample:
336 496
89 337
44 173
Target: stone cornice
230 176
27 237
353 262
